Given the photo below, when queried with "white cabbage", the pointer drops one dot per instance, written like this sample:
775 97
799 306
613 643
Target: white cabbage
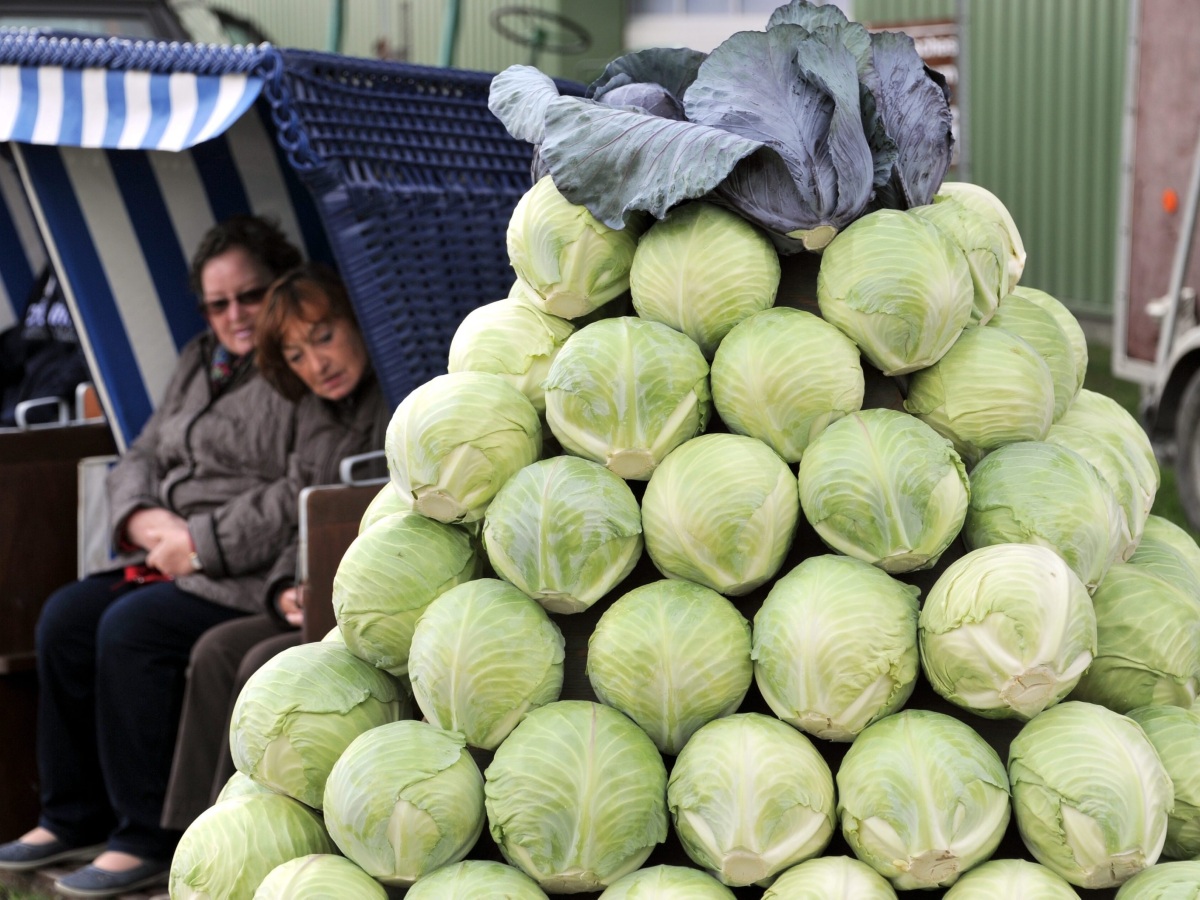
581 771
884 487
721 511
565 531
783 375
750 796
625 392
297 714
1007 630
573 262
405 799
1090 794
701 270
898 287
672 656
453 442
922 798
990 389
835 646
465 676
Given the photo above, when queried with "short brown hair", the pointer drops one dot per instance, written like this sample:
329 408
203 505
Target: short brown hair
258 236
312 292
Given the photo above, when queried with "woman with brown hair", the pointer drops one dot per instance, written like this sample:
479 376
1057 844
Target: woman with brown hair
310 349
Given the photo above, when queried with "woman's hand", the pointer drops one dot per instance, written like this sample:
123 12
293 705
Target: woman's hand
172 554
291 606
146 527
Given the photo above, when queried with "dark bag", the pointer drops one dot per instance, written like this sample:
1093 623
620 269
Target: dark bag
41 357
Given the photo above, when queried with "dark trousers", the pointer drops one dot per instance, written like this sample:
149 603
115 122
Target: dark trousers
111 659
222 661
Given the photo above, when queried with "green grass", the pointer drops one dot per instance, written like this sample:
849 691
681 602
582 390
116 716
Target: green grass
1101 380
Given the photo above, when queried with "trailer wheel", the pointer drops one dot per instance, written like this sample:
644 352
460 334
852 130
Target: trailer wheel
1187 457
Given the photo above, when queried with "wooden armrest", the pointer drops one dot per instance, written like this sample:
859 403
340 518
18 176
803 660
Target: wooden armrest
329 518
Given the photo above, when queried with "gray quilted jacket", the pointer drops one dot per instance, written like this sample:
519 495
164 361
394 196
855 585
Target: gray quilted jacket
227 465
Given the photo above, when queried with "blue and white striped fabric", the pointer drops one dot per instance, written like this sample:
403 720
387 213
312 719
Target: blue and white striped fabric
121 226
22 255
126 110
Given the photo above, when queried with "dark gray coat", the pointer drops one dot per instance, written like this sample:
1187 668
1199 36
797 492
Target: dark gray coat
329 432
227 466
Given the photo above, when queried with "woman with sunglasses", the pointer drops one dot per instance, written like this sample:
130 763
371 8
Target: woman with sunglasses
202 505
310 349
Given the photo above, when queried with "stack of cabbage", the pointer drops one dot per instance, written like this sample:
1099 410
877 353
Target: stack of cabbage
732 520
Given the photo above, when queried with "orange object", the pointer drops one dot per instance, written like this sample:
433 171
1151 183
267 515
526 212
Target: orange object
1170 201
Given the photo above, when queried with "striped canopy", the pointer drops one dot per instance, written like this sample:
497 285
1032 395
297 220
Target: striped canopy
96 107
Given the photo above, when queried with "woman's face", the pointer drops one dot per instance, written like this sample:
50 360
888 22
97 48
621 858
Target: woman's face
234 286
328 355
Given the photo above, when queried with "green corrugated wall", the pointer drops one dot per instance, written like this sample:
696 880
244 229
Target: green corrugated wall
1046 83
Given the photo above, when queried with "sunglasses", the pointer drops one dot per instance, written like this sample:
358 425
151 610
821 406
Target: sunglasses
252 297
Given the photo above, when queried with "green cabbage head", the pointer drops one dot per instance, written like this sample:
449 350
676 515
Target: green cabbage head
672 656
465 675
296 715
1148 643
475 879
701 270
835 646
384 503
783 375
982 241
1175 734
1017 879
231 847
625 392
884 487
405 799
667 883
319 875
573 262
841 877
1167 881
1034 492
1101 431
1170 553
453 442
721 511
511 338
1037 326
1090 794
576 796
990 389
386 578
922 798
750 796
1066 321
240 784
1007 630
565 531
898 287
988 205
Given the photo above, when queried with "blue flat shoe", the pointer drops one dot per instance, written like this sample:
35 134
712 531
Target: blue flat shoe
18 856
93 882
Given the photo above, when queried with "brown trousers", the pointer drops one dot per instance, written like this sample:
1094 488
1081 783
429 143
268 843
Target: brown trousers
221 662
